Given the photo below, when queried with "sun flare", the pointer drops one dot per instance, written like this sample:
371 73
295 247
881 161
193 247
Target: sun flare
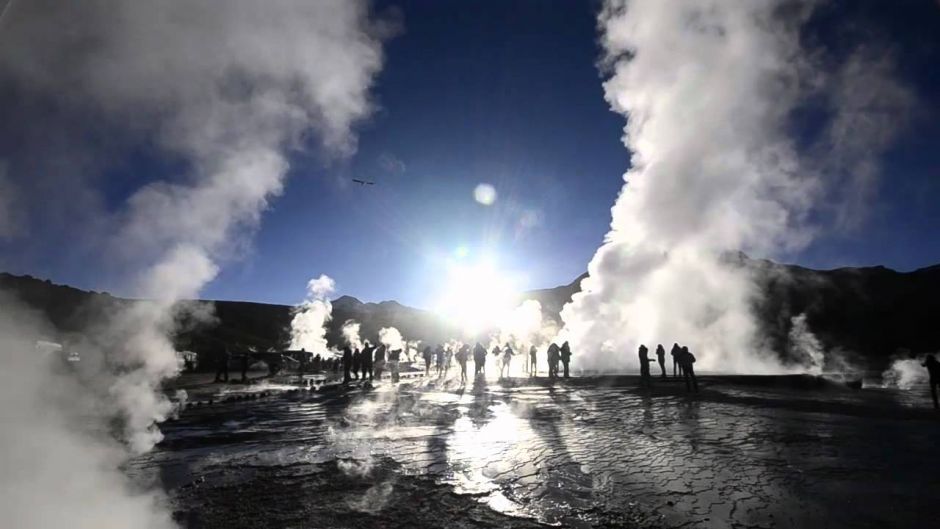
476 295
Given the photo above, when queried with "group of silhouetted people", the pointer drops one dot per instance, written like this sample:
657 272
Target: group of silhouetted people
368 362
683 363
557 355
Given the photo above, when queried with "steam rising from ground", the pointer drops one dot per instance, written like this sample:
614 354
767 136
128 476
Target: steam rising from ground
351 334
805 348
391 337
59 460
308 327
223 88
709 89
905 372
523 327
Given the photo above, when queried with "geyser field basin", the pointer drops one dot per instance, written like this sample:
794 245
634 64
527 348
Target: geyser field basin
758 451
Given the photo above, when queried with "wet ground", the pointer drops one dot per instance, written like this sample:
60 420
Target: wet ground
586 452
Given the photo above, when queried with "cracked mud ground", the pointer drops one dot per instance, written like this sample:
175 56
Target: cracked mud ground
593 452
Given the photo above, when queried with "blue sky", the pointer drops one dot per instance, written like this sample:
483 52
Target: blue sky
505 93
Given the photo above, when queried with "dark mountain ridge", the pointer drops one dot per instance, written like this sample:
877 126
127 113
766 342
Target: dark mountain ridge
868 312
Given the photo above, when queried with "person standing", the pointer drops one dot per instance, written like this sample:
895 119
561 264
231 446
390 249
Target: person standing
394 358
479 360
427 354
645 379
933 369
347 364
676 353
507 358
661 357
378 363
367 363
553 361
565 356
302 368
439 360
686 362
246 362
462 355
221 361
356 362
533 355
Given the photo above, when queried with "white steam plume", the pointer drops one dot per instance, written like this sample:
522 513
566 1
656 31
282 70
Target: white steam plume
391 337
221 88
308 327
226 87
709 88
905 371
55 441
351 334
805 348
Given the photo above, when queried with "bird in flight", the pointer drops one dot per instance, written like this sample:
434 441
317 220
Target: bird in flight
363 182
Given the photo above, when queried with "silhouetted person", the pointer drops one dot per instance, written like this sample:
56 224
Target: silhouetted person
245 362
394 357
676 352
933 369
686 362
507 358
367 363
553 354
461 357
565 357
427 354
533 355
347 364
356 362
221 364
645 379
661 357
439 359
378 362
303 363
479 360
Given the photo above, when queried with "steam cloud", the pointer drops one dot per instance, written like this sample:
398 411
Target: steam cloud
905 372
225 89
709 89
804 346
391 337
55 443
351 334
308 327
523 326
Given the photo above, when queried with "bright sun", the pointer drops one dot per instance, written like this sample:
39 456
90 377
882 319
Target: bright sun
475 295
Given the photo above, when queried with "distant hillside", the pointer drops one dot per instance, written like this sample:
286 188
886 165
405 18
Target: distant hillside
257 325
869 311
